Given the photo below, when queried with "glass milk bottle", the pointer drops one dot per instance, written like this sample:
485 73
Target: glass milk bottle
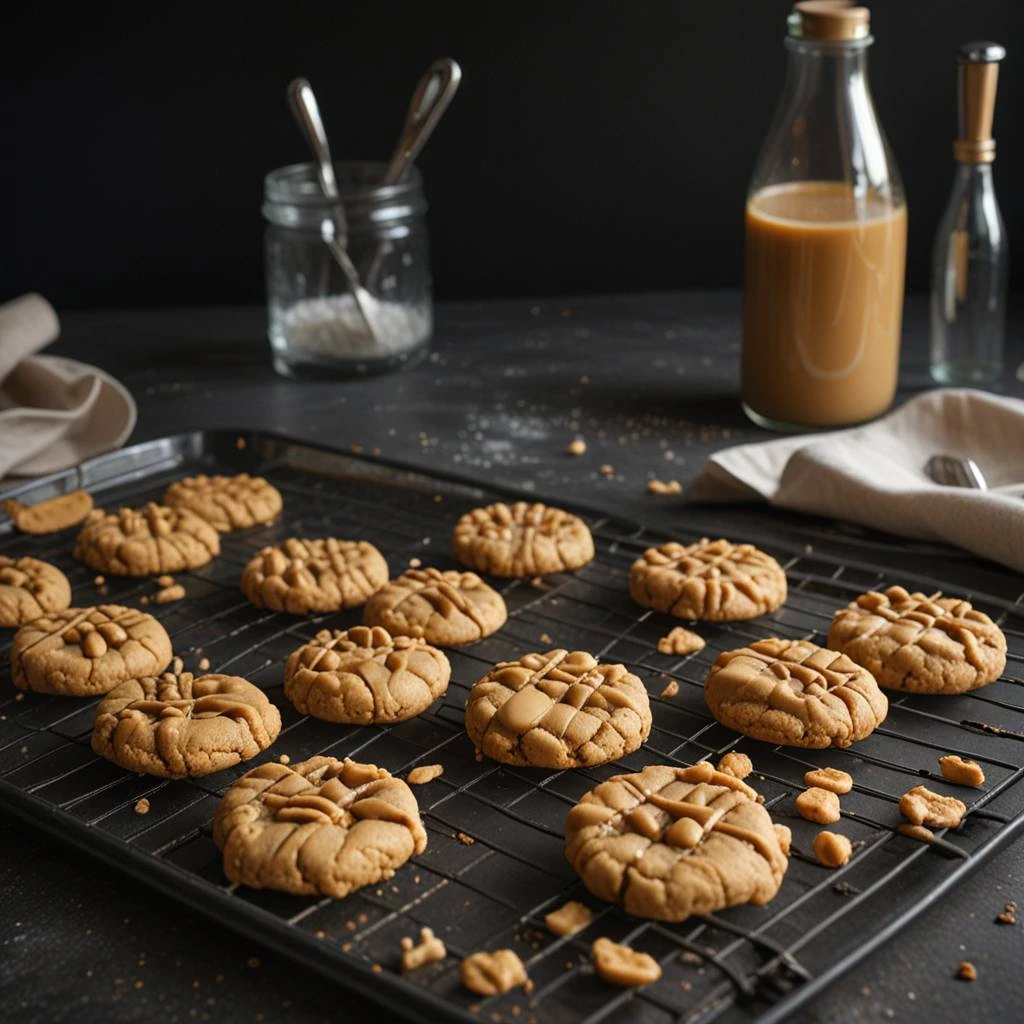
826 235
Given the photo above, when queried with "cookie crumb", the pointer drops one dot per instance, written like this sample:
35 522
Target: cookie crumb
426 951
680 641
252 963
165 581
19 696
464 839
545 638
832 850
142 806
168 594
920 806
538 583
918 832
736 764
204 664
656 486
671 689
488 974
144 599
961 770
568 919
424 773
577 447
285 759
240 443
99 580
415 563
1007 916
967 971
607 470
376 968
818 805
623 966
831 779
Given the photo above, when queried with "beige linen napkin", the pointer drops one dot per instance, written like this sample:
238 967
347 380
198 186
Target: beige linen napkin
54 412
874 475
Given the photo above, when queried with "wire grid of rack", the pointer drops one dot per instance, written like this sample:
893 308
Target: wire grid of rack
494 863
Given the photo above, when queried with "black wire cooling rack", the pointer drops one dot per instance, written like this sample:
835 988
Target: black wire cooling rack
494 864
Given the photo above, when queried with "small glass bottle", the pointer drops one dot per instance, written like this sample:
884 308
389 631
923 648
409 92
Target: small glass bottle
970 261
826 230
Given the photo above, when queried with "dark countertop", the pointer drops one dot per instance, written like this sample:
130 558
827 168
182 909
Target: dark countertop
651 383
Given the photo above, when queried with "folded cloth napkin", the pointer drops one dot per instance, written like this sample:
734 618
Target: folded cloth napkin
54 412
874 475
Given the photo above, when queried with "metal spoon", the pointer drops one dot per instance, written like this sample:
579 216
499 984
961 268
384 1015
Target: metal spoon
333 227
956 471
434 91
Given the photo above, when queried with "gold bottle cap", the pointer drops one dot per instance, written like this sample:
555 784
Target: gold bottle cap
831 21
979 76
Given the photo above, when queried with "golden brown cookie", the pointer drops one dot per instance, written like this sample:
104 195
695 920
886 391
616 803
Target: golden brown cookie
146 542
30 588
304 576
364 675
716 581
227 502
669 842
794 693
52 515
322 827
176 726
80 652
447 608
918 643
522 540
558 710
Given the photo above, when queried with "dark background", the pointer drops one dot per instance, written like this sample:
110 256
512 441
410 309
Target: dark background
595 146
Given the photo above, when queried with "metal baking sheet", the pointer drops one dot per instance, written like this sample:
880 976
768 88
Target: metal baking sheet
744 964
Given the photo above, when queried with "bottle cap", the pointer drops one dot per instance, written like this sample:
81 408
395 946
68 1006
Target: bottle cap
978 78
833 21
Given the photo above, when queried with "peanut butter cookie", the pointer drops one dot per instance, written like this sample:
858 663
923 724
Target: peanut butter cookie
30 588
918 643
794 693
306 576
176 726
522 540
227 502
669 842
364 675
558 710
52 515
146 542
80 652
717 581
322 827
447 608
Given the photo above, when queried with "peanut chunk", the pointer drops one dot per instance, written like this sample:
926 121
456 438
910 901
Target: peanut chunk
680 641
920 806
961 770
819 805
488 974
736 764
622 966
568 919
829 778
426 951
832 849
424 773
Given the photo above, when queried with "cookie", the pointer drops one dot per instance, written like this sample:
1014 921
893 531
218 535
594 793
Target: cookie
30 588
716 581
522 540
305 576
322 827
146 542
668 842
364 675
227 502
176 726
794 693
918 643
557 710
448 608
52 515
80 652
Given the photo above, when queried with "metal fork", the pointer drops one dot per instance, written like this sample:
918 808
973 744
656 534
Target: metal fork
956 471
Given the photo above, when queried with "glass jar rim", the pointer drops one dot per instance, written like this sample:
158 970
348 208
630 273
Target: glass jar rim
359 181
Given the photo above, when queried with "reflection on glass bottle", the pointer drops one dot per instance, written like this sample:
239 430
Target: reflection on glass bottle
971 257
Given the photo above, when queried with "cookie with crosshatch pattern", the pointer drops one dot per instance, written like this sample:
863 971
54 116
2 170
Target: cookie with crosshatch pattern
364 675
322 827
919 643
80 652
668 842
713 580
30 588
795 693
306 576
176 726
557 710
227 502
522 540
447 608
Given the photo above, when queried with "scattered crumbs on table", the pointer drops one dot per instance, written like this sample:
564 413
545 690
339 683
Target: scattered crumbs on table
464 839
545 638
376 968
967 971
655 486
284 759
144 599
687 957
607 470
577 446
19 696
671 689
142 806
204 664
240 443
415 563
350 926
99 580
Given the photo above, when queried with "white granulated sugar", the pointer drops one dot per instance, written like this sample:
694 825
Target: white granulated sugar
334 326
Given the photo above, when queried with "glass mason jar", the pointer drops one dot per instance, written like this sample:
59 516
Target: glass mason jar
315 324
826 230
